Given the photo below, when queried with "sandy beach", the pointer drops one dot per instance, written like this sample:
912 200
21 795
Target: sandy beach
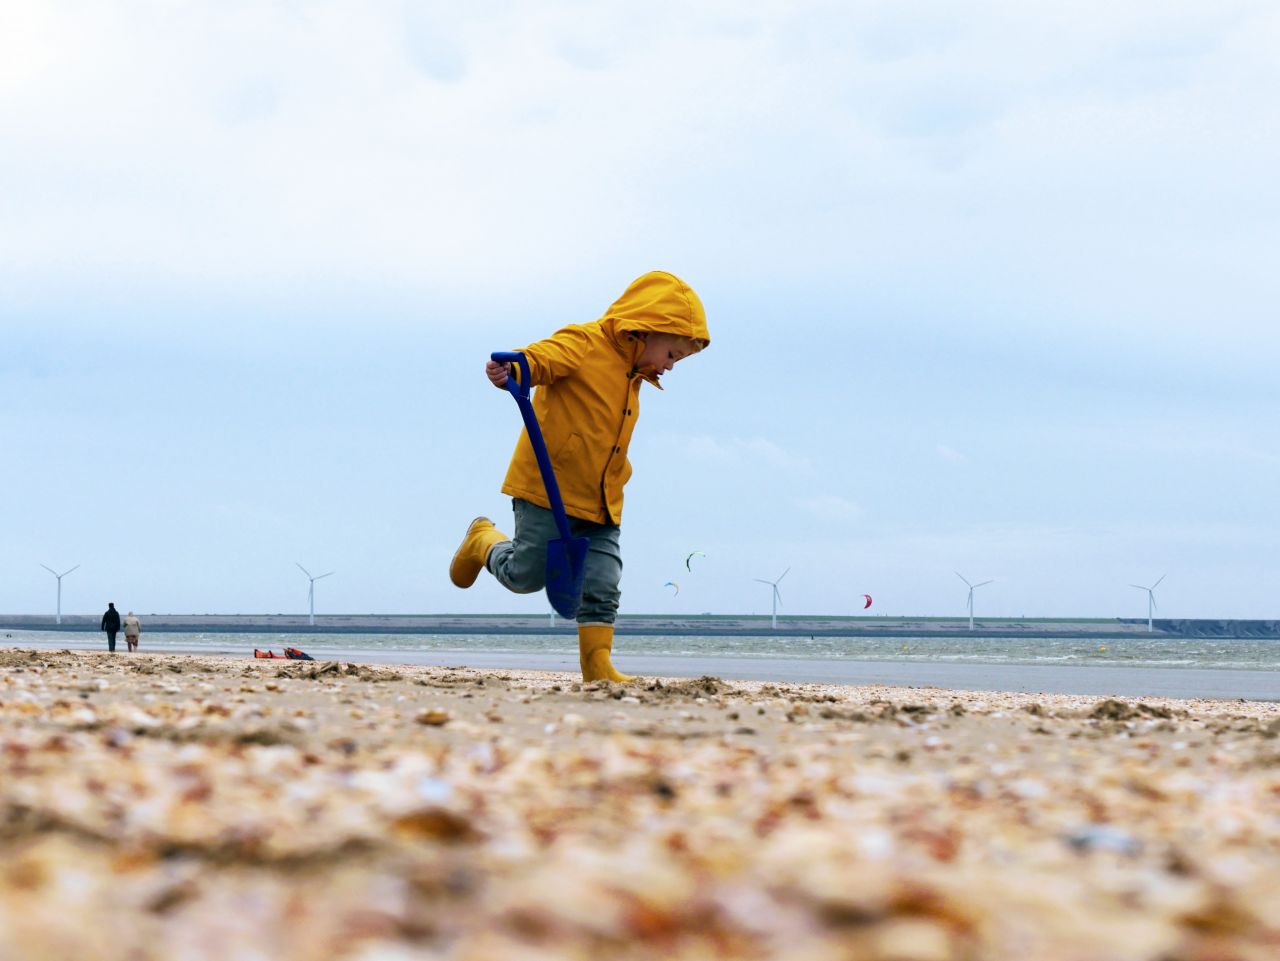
176 806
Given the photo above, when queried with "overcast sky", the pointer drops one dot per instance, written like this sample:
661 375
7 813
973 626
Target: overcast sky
992 287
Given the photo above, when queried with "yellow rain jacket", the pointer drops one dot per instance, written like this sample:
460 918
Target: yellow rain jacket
588 396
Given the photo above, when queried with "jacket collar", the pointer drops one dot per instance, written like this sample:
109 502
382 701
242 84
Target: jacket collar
630 348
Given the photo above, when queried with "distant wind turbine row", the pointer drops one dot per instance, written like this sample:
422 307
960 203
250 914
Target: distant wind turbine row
311 590
1151 597
773 586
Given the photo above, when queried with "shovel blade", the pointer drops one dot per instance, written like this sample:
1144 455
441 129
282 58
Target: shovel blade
566 564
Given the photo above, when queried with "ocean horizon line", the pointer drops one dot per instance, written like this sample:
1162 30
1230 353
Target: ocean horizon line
794 625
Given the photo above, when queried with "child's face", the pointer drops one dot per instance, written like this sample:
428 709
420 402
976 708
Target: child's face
663 351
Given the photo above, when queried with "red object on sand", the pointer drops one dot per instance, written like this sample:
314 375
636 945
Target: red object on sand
290 654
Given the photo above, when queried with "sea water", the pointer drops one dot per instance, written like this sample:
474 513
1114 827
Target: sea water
1154 651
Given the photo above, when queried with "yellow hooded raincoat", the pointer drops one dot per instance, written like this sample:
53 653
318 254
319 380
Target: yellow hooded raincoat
588 396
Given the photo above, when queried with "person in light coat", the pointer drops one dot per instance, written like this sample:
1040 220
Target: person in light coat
132 628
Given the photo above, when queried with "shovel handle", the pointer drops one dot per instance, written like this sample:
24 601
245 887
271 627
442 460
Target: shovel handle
520 391
515 357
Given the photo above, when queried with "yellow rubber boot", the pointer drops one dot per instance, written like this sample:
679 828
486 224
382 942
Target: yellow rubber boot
474 551
595 643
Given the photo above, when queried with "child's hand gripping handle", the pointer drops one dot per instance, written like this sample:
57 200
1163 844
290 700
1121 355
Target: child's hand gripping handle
520 391
525 384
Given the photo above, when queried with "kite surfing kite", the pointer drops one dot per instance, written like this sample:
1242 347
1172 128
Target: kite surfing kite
675 585
868 604
688 559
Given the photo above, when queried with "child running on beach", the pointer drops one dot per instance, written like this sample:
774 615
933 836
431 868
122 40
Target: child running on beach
588 399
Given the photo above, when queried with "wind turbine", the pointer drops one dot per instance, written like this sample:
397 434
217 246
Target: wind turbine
777 598
59 577
311 591
1151 598
972 588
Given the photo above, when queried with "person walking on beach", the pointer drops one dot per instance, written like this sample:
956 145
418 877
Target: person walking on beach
132 629
588 399
111 624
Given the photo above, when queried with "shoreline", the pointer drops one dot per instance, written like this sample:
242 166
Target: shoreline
1137 681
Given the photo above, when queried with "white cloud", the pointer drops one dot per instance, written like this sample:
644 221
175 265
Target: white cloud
737 452
432 148
950 454
831 507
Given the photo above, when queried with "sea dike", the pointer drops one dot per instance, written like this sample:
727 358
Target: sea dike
706 625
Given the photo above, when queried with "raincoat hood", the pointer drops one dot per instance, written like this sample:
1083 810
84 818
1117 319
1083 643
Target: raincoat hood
657 302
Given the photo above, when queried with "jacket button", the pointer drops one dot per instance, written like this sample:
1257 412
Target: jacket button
617 449
628 411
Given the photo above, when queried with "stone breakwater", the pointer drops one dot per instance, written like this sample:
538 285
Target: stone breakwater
711 625
162 806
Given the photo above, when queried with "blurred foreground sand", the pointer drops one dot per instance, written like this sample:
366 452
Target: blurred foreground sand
170 806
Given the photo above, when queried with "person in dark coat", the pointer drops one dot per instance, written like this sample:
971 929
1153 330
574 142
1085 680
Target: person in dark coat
111 624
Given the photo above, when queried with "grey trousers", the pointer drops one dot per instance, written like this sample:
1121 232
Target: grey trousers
520 564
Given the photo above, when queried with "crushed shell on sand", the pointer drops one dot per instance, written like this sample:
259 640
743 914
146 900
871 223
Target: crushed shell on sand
200 807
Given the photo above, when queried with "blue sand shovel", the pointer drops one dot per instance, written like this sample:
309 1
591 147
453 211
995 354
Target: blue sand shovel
566 555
